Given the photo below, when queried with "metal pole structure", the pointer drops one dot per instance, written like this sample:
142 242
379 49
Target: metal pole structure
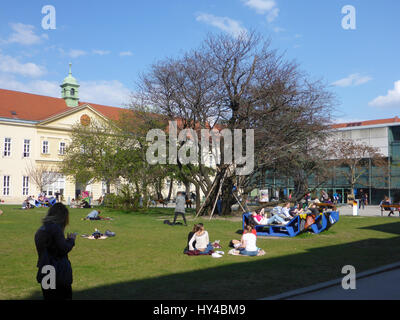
218 194
390 182
370 181
239 203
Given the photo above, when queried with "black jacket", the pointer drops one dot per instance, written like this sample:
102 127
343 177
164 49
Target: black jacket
52 249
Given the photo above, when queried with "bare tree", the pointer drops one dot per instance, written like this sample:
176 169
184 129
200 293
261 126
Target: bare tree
41 175
354 157
238 83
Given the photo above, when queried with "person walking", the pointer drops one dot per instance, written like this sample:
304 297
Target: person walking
53 248
180 207
361 199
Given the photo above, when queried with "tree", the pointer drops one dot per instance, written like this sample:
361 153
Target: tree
42 175
238 83
354 158
93 153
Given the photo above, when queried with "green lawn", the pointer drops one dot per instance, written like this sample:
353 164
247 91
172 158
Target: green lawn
145 259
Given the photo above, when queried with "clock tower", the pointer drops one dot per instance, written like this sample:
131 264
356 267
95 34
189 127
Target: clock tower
70 90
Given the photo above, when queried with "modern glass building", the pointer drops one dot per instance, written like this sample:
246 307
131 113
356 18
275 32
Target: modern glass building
377 182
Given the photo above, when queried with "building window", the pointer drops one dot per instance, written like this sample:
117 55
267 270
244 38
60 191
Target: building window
57 186
62 148
27 147
45 147
72 92
25 186
7 147
6 185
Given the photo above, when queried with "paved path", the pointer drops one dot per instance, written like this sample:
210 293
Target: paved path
382 286
369 211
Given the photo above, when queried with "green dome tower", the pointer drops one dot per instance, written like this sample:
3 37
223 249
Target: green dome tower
70 90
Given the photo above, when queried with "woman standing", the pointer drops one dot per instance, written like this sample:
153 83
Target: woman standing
53 249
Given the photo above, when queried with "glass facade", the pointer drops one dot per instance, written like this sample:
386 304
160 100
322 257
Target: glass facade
376 181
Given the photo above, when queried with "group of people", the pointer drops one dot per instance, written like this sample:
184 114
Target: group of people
283 215
42 200
199 240
79 204
362 198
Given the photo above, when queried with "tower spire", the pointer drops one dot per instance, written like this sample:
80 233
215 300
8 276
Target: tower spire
70 89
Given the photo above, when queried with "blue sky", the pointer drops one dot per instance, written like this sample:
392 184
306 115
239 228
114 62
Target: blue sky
111 42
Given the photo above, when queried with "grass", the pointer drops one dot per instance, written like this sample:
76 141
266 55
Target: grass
145 260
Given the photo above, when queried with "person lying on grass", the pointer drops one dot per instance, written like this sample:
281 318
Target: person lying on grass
202 240
94 215
248 245
260 218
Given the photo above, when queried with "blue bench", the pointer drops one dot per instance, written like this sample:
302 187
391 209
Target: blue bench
39 204
324 221
292 228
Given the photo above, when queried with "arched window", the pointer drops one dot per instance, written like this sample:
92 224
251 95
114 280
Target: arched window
72 92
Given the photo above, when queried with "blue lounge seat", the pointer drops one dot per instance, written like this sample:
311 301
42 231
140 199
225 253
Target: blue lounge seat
324 221
291 229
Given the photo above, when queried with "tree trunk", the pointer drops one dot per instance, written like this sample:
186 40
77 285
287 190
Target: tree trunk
198 200
226 191
170 189
300 186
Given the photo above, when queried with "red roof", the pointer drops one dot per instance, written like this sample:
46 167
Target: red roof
365 123
33 107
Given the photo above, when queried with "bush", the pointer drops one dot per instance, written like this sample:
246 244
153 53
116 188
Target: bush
125 200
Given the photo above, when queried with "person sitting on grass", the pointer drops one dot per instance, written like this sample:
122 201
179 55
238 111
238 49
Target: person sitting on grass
236 243
190 236
85 204
248 245
73 204
202 240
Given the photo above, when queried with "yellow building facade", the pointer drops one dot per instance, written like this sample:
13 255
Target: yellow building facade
34 133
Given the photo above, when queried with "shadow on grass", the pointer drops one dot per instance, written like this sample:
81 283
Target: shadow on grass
256 277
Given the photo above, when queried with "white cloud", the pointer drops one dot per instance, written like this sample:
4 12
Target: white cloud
101 52
41 87
268 7
392 99
75 53
226 24
261 6
272 15
11 65
112 93
126 53
352 80
278 29
24 34
346 120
